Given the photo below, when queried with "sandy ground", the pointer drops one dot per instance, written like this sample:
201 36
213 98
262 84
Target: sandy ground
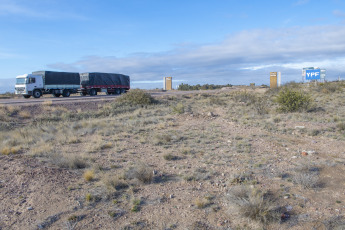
211 150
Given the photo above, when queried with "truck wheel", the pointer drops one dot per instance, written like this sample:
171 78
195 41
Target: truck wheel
117 91
56 94
36 93
93 92
26 96
82 94
66 93
123 91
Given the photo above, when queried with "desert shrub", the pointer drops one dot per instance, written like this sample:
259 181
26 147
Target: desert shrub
202 202
292 85
67 161
170 157
341 126
292 101
307 176
115 182
244 178
306 180
261 105
187 87
136 205
8 95
141 172
314 132
334 223
179 108
198 175
329 87
214 100
166 139
245 97
255 204
136 97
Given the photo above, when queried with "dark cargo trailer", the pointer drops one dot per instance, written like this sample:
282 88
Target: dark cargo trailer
58 78
110 83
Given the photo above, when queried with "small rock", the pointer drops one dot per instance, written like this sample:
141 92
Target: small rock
304 153
294 157
286 197
30 208
154 172
288 208
210 114
299 127
311 152
171 196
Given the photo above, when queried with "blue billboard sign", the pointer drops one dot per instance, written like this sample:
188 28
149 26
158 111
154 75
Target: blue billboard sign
312 74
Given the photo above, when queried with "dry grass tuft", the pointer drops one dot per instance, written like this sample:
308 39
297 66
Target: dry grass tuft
115 182
47 103
141 172
255 204
202 202
89 175
307 176
10 150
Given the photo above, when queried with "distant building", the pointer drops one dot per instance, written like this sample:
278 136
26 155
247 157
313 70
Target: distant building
167 84
275 79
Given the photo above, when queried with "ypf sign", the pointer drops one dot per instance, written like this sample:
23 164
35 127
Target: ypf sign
312 74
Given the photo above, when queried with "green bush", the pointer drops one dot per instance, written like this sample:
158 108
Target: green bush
136 97
179 108
187 87
293 101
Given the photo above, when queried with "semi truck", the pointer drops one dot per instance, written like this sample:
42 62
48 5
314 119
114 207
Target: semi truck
47 82
110 83
65 83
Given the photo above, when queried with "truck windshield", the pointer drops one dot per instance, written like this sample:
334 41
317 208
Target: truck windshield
21 81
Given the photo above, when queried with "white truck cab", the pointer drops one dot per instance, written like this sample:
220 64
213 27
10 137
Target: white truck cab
29 85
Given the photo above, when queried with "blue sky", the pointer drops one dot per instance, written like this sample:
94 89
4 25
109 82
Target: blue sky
219 42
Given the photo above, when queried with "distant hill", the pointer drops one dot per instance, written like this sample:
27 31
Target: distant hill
7 85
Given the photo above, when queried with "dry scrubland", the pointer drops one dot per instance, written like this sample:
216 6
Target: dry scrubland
246 159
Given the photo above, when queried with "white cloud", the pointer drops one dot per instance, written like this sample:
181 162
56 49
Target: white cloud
9 8
339 13
291 48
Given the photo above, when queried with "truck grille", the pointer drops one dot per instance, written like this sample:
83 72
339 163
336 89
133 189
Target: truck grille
20 89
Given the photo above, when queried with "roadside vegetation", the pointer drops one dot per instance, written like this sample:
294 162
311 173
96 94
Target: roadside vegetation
240 159
186 87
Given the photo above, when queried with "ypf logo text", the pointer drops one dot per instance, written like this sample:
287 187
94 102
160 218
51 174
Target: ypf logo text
312 74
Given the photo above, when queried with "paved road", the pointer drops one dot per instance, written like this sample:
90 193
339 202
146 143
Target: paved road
72 99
